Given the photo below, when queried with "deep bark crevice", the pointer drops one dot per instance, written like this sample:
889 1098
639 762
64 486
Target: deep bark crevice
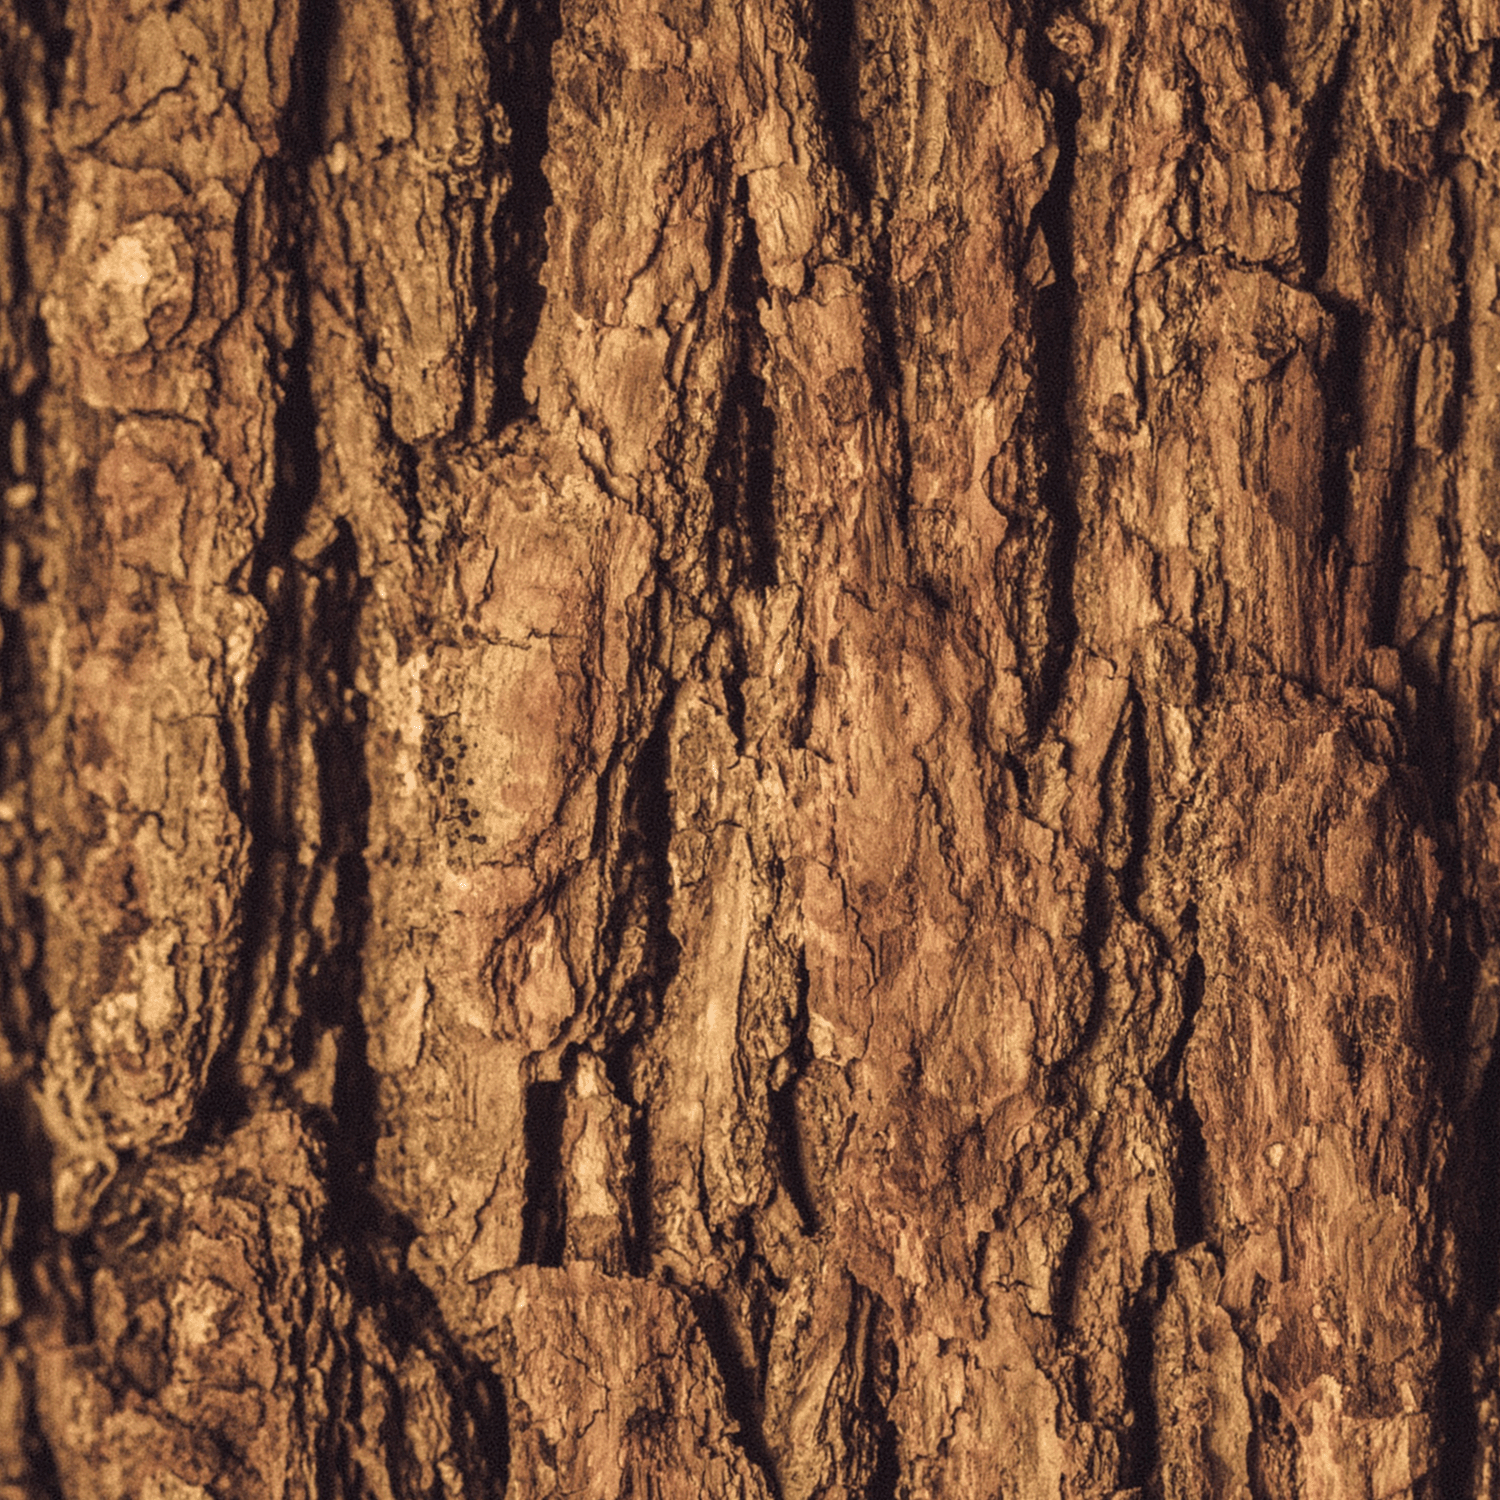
1263 26
1460 332
1099 918
740 1383
265 790
1343 411
742 463
43 1482
48 22
880 1379
519 44
1390 563
543 1223
1140 1441
1470 1205
833 58
409 1320
834 47
887 376
25 1006
1050 403
1190 1222
786 1130
643 892
1315 208
333 982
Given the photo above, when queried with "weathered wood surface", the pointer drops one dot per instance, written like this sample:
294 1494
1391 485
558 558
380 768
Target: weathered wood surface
749 749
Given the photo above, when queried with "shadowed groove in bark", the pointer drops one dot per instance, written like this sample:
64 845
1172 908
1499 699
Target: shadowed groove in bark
1189 1202
1342 374
1390 564
520 38
1099 917
543 1222
335 980
409 1319
786 1130
1140 1442
643 888
1341 378
48 22
1470 1202
1315 208
1264 28
742 1398
265 793
831 28
1125 796
833 51
23 1001
742 463
878 1385
1054 315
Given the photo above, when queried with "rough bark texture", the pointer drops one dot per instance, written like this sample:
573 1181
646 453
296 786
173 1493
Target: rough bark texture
749 749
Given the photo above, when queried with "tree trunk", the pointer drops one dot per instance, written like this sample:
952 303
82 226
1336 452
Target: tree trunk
749 749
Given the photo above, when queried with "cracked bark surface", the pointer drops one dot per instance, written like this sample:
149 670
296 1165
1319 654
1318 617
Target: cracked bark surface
749 750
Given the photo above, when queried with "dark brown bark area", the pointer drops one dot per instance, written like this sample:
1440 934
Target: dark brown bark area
749 750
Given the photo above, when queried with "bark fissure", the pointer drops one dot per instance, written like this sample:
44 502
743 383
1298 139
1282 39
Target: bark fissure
835 46
879 1382
786 1129
1391 563
543 1221
523 33
1315 206
1189 1203
1051 410
833 58
333 980
47 20
742 1393
742 463
635 988
1343 373
1138 1435
267 790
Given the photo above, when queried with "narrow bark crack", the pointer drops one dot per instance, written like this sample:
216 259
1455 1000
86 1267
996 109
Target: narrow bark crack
269 790
543 1221
786 1130
833 57
740 1383
641 956
1054 316
519 45
1315 208
1140 1440
743 543
880 1379
834 46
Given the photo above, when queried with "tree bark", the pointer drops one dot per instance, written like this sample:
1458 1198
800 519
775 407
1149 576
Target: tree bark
749 749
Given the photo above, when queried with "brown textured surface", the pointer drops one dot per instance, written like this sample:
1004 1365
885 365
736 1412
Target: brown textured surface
748 750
